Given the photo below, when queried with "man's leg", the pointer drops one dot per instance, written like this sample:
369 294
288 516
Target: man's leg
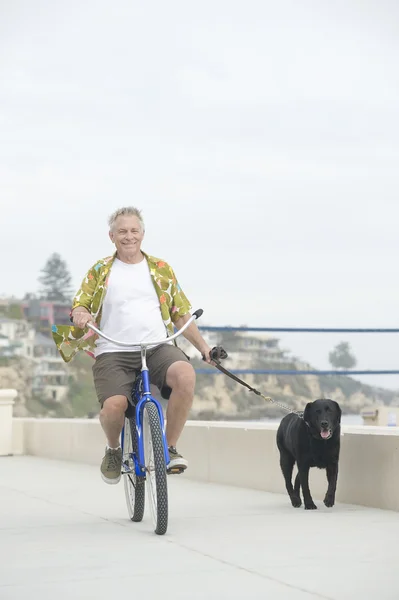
113 375
180 377
172 373
112 416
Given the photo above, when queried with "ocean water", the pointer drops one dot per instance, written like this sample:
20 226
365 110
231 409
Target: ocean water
345 420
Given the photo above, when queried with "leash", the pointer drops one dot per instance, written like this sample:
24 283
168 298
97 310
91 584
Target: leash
218 353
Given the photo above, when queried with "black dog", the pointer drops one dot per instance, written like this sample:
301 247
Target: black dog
311 441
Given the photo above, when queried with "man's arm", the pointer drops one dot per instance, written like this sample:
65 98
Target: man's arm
180 314
193 335
81 305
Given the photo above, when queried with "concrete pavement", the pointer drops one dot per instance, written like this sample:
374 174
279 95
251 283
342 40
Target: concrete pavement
65 534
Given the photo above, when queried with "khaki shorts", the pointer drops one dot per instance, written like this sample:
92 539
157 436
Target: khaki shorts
114 373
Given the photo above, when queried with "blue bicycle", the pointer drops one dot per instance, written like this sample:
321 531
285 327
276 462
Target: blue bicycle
145 454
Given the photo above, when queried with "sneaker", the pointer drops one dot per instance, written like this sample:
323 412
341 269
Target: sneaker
177 464
111 465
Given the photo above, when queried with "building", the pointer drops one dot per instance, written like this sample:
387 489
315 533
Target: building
244 348
382 416
51 375
261 345
45 313
5 345
17 338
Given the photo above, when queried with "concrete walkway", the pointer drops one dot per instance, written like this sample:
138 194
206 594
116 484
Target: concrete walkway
65 534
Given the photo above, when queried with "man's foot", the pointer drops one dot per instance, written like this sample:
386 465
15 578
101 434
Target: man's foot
177 464
111 465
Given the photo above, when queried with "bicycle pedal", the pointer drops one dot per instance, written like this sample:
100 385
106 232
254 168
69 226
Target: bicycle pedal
176 470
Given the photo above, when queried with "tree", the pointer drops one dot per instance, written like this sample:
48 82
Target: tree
15 311
341 357
29 296
56 280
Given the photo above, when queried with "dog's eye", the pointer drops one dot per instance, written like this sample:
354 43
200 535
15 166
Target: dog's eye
318 411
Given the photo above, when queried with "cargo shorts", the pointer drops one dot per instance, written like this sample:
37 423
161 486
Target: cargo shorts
114 373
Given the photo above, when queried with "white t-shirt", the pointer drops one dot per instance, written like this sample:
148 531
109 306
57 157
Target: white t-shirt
131 309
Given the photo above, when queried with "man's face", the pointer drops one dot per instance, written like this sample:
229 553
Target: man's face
127 234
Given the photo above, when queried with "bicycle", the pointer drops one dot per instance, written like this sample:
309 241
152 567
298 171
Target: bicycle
145 454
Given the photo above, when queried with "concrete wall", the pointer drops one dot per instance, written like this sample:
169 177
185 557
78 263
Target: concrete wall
244 455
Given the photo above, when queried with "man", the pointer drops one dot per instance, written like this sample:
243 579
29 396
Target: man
132 296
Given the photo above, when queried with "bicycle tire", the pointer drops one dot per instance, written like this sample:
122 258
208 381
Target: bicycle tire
134 486
155 464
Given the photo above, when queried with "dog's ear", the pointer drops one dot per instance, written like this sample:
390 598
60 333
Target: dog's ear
339 411
306 412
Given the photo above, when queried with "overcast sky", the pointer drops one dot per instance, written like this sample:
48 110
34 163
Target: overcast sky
260 139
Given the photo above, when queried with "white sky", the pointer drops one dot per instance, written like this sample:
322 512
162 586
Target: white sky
261 140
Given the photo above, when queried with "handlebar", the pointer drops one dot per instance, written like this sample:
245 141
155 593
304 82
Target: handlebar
194 316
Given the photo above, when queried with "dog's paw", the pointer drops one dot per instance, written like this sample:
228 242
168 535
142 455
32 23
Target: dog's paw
310 506
296 501
329 501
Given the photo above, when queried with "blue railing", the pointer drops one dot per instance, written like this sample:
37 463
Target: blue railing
212 328
293 372
300 329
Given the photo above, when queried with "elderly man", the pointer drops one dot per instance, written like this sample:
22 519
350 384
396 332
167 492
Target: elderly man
132 296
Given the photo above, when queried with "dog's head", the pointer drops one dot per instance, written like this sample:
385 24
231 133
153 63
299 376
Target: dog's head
322 418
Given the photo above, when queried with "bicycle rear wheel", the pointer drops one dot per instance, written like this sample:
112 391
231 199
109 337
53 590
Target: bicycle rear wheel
134 486
155 465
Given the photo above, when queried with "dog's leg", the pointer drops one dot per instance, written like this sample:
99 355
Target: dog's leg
287 465
297 485
332 476
304 479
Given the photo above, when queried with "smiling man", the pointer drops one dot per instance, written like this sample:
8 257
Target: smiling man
133 296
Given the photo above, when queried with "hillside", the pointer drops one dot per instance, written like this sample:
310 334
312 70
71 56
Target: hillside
218 397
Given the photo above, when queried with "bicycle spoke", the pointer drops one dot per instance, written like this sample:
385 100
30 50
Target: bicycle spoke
134 487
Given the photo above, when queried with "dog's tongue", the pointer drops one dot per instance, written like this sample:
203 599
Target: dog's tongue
325 434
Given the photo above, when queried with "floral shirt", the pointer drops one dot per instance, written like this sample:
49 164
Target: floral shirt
172 300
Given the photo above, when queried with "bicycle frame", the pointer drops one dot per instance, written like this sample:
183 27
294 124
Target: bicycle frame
142 394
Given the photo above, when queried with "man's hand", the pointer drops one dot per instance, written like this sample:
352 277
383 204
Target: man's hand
206 354
216 355
81 318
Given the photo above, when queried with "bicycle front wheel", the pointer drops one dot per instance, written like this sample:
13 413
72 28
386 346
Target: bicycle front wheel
134 486
155 466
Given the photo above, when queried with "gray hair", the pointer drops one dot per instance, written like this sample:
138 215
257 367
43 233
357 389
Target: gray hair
129 211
